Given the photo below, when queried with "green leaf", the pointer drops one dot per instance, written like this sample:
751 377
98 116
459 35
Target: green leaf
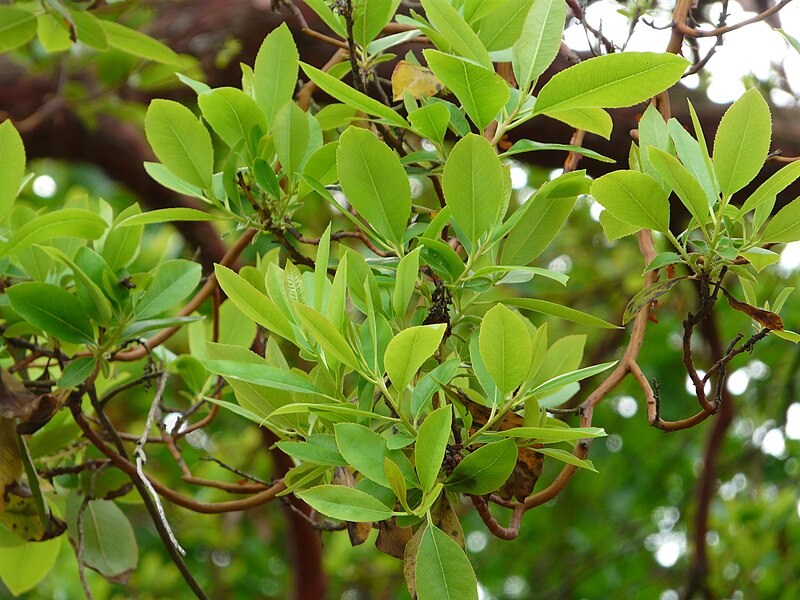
109 544
428 385
344 93
90 293
180 141
369 18
634 198
17 27
323 332
682 182
291 137
787 335
784 226
502 28
397 482
275 73
67 222
742 142
544 214
457 32
52 309
23 567
89 29
138 44
172 282
53 33
505 347
331 18
482 92
137 328
262 374
319 449
553 434
593 120
12 161
772 187
539 41
76 372
375 183
558 310
473 187
363 449
169 180
761 258
167 215
405 282
431 121
646 296
432 440
232 114
662 259
521 146
484 470
560 381
567 457
408 350
443 571
253 303
611 81
345 503
121 245
693 157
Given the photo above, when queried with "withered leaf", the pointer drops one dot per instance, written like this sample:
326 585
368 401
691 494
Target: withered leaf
392 540
765 318
410 560
16 401
418 81
446 519
524 476
22 517
647 295
10 459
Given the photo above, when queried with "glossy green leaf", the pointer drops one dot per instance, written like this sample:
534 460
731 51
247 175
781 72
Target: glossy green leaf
784 226
52 33
692 157
345 503
482 92
462 39
405 282
344 93
544 214
611 81
430 383
443 571
772 187
473 184
137 328
363 449
634 198
12 161
64 223
501 29
23 567
121 245
560 381
521 146
291 136
323 332
369 18
167 215
568 458
232 114
559 310
76 372
275 73
761 258
432 440
408 350
253 303
742 142
375 183
52 309
138 44
553 434
330 17
89 29
319 449
505 347
539 41
262 374
682 182
172 281
431 121
17 27
484 470
180 141
593 120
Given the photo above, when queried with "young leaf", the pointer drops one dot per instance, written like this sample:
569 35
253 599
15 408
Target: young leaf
443 571
559 310
539 41
12 162
567 457
505 347
363 449
180 141
375 183
593 120
431 121
138 44
772 187
428 385
23 567
686 187
405 282
121 245
742 142
275 72
543 215
264 375
323 332
484 470
693 158
67 222
345 503
784 226
432 440
408 350
610 81
172 282
52 309
473 183
291 137
167 215
633 198
521 146
457 32
482 92
369 18
500 29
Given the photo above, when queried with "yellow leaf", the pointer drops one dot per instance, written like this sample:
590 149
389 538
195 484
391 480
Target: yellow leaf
417 81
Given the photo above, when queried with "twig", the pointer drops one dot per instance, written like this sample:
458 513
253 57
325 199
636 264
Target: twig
504 533
717 31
